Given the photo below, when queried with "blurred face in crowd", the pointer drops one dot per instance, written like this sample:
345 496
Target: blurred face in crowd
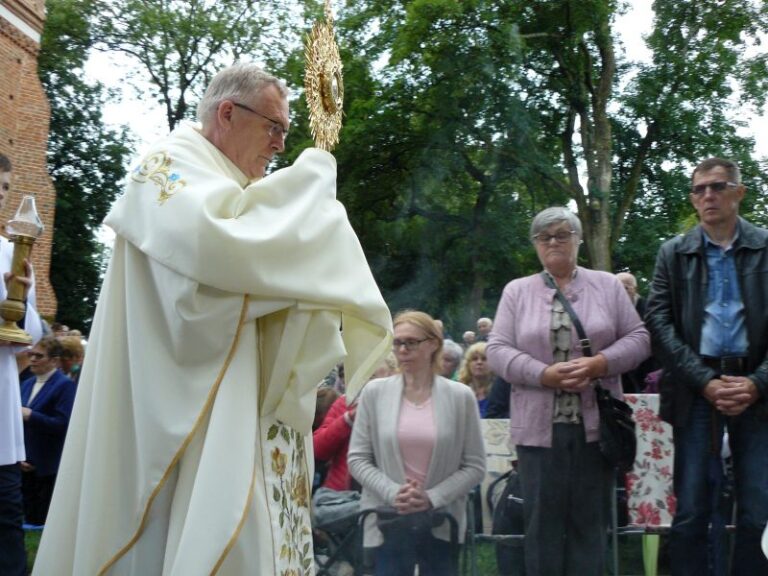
449 363
5 187
478 366
715 197
39 361
468 337
68 362
629 283
484 326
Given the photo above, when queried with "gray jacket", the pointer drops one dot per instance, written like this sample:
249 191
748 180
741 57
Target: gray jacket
458 458
675 315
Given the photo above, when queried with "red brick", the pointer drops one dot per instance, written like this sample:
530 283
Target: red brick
24 121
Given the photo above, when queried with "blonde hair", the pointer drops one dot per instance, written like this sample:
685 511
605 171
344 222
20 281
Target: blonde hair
72 346
426 324
465 375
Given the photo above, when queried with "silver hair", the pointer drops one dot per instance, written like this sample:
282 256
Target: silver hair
239 82
452 350
555 215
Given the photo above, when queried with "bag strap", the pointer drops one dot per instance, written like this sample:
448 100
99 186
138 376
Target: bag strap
584 343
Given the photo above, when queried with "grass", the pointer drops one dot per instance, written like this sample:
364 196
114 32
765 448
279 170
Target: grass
630 559
31 542
630 556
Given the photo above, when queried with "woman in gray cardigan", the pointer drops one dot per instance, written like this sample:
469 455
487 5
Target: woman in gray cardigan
416 445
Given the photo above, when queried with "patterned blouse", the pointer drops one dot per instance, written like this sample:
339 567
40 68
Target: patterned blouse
567 404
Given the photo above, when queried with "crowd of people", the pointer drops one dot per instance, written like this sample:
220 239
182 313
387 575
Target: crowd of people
529 364
201 382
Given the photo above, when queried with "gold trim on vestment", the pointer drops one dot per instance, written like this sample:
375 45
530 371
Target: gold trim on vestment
248 500
200 417
262 378
239 527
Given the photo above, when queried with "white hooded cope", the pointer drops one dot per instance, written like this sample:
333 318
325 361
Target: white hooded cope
224 304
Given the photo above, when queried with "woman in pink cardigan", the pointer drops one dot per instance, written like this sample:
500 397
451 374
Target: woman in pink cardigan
565 482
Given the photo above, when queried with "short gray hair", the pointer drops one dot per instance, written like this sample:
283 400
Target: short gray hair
731 168
238 82
555 215
452 349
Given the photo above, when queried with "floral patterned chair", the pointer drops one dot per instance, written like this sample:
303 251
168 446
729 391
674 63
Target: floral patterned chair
650 495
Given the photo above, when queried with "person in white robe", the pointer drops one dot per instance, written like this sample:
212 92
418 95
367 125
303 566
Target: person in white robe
12 553
228 297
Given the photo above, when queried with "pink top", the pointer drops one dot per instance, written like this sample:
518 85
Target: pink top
416 435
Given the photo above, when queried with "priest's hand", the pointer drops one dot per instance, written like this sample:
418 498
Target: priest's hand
25 413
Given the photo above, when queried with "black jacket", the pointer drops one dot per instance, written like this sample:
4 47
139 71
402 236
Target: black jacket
675 315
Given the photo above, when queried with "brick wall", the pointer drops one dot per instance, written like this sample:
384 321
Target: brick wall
24 119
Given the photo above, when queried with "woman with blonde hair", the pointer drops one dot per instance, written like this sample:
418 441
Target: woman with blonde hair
416 446
476 374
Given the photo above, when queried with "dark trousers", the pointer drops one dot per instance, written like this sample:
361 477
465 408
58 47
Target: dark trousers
694 450
435 557
37 492
13 557
565 491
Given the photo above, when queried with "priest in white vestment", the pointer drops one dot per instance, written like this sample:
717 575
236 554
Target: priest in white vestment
228 297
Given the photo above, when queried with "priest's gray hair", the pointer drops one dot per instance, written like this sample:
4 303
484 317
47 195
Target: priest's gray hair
240 82
555 215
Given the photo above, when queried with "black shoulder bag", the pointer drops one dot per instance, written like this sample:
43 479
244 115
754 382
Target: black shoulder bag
618 442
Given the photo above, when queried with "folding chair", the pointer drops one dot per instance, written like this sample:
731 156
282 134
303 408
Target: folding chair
365 561
339 543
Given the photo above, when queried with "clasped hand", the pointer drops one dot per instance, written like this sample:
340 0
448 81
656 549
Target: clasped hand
412 498
574 375
731 395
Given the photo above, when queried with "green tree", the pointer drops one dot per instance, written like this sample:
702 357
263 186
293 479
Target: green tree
470 116
178 45
439 164
85 160
678 110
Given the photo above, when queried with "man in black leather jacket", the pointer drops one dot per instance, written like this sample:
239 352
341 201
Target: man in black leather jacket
708 317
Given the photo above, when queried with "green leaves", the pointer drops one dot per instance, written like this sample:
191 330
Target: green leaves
85 160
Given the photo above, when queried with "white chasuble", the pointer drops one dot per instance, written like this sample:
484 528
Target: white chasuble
225 303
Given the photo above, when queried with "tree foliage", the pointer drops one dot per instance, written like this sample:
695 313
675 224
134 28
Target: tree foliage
85 161
178 45
463 119
440 165
471 116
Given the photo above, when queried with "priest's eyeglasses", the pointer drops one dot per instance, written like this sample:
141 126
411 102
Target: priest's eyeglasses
717 187
409 344
275 130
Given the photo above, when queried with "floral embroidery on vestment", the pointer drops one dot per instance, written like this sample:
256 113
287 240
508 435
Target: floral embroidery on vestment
291 493
157 168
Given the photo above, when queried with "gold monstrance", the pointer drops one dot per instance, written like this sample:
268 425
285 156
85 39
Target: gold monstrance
323 83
